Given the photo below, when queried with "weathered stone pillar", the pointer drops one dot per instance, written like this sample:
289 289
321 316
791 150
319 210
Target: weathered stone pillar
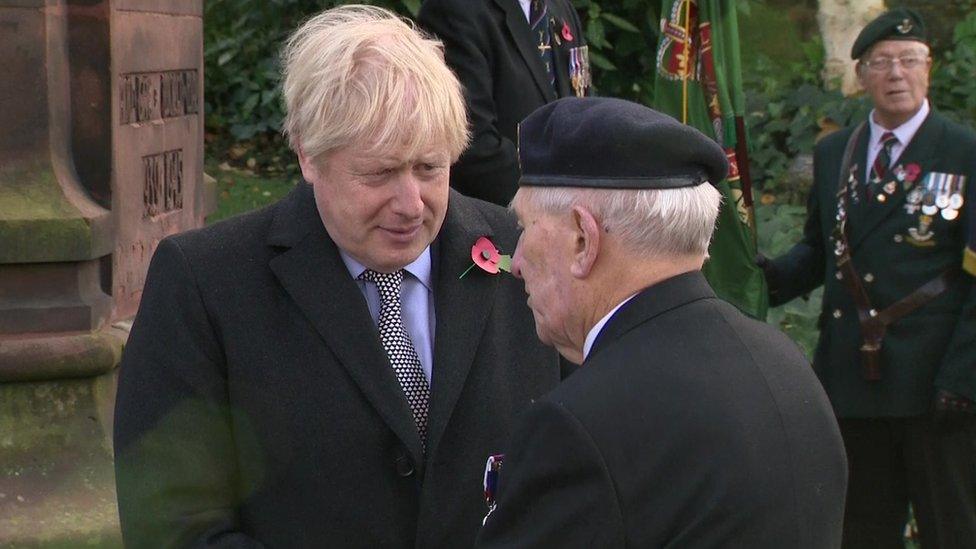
101 155
840 22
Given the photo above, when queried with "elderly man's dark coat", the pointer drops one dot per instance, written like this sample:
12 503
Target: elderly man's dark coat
489 45
688 425
256 404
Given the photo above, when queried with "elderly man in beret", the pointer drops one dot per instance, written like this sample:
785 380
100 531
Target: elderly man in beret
688 424
886 235
315 374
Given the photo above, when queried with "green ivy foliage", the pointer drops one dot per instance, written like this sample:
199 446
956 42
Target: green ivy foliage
952 88
786 110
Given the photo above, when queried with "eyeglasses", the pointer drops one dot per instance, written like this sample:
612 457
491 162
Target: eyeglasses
884 64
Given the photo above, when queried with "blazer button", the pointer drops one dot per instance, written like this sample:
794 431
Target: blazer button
837 313
403 466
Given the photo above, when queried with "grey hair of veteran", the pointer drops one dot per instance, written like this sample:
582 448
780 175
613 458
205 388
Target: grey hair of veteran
653 222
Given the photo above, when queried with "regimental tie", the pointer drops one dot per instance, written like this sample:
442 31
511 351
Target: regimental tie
399 348
882 162
542 32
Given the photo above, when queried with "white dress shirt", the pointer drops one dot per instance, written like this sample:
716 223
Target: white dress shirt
904 133
598 327
526 4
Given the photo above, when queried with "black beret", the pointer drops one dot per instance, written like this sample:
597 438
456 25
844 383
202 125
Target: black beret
614 144
896 24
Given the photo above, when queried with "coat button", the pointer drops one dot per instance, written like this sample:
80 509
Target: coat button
403 466
899 238
839 275
837 313
869 277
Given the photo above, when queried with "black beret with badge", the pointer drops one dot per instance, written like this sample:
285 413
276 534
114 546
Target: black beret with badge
610 143
895 24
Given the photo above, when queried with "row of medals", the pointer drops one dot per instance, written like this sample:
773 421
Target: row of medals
939 193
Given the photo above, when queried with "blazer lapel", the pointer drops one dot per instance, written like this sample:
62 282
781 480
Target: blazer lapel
461 308
651 302
922 151
313 274
560 51
521 34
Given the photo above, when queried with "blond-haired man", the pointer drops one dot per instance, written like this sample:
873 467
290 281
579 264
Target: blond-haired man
315 374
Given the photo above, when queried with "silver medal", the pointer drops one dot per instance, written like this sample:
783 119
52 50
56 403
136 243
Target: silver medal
955 201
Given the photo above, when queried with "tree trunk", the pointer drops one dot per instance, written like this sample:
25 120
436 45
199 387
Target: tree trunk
840 22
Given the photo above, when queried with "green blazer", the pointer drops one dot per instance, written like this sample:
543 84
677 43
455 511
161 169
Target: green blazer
894 252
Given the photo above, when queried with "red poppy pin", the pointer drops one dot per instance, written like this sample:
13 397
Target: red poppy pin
911 172
485 255
567 34
907 174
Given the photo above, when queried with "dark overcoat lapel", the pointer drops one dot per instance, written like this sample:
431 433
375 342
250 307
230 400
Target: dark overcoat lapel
922 150
309 269
462 307
521 35
651 302
344 324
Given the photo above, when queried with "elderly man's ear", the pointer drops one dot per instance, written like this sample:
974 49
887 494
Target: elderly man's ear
587 249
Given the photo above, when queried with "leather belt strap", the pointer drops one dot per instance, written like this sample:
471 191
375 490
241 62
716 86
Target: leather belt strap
873 323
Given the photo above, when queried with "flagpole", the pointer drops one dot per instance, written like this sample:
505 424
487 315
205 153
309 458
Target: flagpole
687 72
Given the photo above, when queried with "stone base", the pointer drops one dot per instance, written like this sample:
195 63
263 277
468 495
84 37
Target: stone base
57 481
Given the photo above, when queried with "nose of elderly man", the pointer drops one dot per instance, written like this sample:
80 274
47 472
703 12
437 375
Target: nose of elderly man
517 260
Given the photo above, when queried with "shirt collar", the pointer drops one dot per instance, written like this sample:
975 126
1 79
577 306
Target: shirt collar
598 327
906 131
420 268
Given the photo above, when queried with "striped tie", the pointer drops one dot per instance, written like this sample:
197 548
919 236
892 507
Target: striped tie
883 161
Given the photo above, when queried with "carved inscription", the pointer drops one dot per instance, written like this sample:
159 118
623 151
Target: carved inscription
163 182
148 96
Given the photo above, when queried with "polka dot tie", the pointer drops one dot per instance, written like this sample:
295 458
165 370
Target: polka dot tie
399 348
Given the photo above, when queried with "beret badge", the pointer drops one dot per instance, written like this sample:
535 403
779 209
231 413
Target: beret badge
905 27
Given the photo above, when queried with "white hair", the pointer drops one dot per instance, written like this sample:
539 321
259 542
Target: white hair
361 74
654 222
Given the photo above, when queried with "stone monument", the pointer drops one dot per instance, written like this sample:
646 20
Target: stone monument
101 156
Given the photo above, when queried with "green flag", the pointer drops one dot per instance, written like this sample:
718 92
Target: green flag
699 82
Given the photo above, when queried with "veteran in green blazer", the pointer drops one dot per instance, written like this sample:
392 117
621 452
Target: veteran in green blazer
888 236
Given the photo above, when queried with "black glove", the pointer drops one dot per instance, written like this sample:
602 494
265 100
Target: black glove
769 273
952 411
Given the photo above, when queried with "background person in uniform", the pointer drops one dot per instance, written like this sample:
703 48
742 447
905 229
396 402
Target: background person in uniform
314 374
688 424
885 235
512 56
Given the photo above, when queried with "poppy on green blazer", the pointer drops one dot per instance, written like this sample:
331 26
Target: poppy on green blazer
894 251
